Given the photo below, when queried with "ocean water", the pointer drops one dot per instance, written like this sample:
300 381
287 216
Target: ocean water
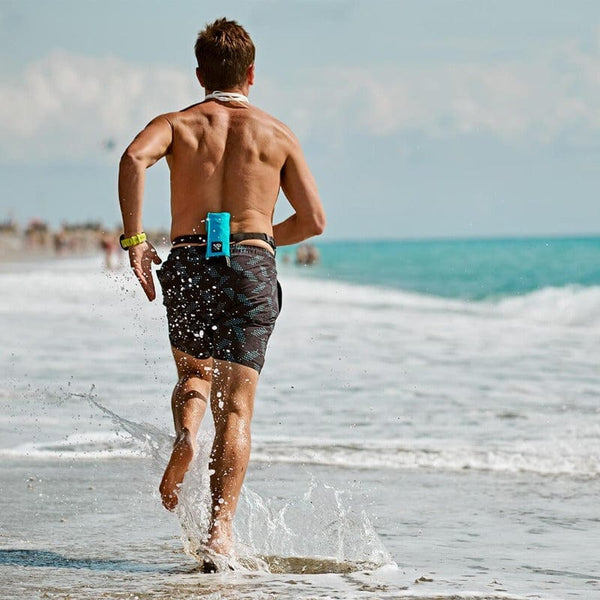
465 269
427 425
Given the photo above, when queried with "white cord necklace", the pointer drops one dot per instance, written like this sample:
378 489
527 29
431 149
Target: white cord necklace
227 97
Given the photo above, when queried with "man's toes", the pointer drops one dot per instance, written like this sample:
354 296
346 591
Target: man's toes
170 502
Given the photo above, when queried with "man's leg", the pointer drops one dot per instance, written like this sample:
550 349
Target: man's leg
232 403
188 402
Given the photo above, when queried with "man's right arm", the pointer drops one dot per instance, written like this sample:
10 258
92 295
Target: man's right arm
149 146
300 189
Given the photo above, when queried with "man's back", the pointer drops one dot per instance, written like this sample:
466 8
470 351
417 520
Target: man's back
225 158
225 155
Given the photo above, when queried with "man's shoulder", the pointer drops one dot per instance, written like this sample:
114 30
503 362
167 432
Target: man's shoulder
198 113
278 127
188 111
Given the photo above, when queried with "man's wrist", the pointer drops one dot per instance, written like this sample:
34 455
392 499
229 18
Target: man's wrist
132 240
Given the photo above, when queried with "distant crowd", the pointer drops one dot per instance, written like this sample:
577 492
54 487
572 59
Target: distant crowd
38 237
91 236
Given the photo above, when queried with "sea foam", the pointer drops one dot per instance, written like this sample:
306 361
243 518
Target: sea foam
567 457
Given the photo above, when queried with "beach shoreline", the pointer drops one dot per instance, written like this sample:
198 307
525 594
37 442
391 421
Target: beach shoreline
464 430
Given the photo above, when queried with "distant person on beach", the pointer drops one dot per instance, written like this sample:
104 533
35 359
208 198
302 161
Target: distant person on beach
307 254
61 241
108 245
230 159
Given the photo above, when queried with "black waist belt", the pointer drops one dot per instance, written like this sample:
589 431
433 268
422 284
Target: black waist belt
234 238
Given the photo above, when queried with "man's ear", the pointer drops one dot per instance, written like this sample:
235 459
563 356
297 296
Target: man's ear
251 74
199 76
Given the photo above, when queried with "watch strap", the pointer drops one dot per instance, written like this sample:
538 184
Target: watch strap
134 240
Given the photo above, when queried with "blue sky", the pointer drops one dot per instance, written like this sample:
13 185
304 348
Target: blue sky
419 118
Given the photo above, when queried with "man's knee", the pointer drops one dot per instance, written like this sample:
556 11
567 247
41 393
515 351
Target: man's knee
189 367
232 410
235 422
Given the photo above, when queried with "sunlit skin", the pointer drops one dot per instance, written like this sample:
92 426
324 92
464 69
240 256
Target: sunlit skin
222 157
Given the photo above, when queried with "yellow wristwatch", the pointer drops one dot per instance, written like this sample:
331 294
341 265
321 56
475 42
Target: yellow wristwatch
134 240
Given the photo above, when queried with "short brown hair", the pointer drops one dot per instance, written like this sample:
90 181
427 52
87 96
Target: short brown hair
224 52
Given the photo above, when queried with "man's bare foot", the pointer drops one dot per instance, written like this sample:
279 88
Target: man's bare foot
219 548
220 539
181 457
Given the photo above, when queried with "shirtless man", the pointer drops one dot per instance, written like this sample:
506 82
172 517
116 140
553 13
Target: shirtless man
224 155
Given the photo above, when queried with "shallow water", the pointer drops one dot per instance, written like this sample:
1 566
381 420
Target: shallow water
465 433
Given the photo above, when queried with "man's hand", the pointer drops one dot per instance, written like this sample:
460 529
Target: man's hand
141 257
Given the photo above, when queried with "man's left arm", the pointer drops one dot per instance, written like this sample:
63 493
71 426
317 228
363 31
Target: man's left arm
149 146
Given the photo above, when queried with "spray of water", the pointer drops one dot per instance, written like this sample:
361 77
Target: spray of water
316 533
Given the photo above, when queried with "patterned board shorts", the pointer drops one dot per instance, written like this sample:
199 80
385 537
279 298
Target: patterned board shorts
227 312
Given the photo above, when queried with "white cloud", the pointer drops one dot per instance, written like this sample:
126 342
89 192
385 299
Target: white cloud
517 102
531 101
67 105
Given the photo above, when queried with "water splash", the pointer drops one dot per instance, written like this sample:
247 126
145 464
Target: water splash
155 442
316 533
194 506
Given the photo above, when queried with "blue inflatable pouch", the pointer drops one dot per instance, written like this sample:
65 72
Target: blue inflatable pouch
217 235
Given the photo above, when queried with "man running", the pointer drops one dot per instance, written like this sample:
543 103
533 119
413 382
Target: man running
228 158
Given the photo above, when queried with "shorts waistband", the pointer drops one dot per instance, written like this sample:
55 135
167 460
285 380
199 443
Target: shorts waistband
233 239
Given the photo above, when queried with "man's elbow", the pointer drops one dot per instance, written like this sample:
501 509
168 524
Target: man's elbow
318 227
318 224
132 159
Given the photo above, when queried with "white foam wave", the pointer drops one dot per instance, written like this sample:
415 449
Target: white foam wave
80 446
60 291
579 458
572 458
570 305
318 291
62 287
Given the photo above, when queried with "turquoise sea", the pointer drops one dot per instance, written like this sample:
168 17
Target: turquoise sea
427 426
467 269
